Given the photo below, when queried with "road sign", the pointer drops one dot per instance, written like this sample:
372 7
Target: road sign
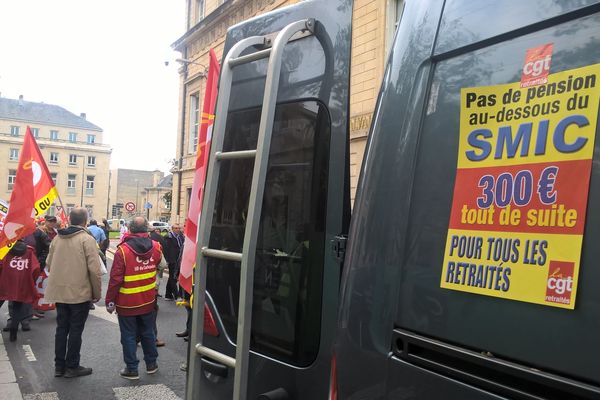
130 206
147 205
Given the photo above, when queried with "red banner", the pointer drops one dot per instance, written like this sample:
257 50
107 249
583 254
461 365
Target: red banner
33 193
188 259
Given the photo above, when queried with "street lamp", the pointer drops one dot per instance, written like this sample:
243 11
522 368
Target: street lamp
137 186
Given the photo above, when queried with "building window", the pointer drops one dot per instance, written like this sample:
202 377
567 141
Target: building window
54 177
53 158
53 135
71 183
194 123
89 185
91 139
35 132
91 161
70 208
72 137
199 10
12 175
52 211
14 131
72 159
14 155
394 14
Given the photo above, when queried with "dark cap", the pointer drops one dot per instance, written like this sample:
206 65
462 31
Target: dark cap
50 218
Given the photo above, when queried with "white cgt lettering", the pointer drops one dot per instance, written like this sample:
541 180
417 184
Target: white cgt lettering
560 285
19 264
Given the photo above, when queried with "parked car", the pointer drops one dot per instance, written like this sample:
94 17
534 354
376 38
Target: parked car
164 226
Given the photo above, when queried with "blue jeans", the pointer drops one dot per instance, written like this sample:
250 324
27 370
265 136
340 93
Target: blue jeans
141 326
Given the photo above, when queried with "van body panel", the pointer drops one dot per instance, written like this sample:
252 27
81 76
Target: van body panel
376 237
296 287
402 210
408 382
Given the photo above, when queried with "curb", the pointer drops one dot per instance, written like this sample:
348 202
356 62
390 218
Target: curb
9 388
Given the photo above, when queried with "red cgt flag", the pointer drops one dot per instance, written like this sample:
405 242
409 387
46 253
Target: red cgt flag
33 193
188 259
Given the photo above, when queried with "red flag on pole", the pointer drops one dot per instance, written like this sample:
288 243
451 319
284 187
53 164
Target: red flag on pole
188 258
33 193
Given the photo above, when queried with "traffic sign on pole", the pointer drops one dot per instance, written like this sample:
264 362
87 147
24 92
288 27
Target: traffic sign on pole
130 206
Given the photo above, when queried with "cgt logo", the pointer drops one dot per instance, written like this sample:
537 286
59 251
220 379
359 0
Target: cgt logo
537 65
559 286
19 263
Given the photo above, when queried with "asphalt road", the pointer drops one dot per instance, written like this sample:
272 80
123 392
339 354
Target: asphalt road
32 358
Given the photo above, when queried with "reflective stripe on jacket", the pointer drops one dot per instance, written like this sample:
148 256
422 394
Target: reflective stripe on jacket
139 281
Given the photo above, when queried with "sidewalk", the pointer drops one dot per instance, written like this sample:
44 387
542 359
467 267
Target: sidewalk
9 388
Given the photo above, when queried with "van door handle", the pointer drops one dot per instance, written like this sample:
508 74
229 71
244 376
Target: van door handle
213 367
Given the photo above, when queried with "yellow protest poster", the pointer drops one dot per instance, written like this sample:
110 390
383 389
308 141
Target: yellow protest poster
520 197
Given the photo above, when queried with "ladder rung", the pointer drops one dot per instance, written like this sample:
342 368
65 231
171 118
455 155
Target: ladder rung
222 254
215 355
234 155
258 55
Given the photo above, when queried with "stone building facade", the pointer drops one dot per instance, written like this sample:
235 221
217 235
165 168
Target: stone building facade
374 23
71 146
135 192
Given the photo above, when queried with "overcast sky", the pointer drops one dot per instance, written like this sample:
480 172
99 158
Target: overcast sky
105 58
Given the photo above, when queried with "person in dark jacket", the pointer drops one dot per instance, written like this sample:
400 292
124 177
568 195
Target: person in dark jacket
173 245
132 293
18 272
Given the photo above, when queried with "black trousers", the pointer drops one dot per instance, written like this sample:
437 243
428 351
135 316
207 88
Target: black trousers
70 321
172 291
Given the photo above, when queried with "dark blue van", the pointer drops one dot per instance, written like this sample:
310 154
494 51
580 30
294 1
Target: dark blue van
470 266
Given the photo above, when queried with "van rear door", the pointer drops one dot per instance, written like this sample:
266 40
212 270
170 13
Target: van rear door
443 297
305 207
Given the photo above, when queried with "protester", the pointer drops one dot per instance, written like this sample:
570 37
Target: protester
172 249
132 293
18 272
123 231
74 281
96 232
45 232
106 244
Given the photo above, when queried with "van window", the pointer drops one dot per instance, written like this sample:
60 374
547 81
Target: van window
461 23
290 249
551 339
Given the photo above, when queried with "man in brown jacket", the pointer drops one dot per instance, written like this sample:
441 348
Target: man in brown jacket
73 282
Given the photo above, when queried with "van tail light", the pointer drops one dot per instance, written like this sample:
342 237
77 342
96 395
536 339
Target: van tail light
333 389
210 327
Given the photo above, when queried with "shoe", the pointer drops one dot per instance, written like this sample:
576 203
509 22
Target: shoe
92 306
75 372
127 374
38 315
25 327
35 317
58 371
182 334
169 299
183 366
5 329
13 335
186 339
160 343
151 368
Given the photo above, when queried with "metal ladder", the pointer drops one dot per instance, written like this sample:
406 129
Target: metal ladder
261 156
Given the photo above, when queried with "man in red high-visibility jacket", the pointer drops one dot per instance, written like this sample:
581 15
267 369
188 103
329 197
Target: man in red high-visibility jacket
132 292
